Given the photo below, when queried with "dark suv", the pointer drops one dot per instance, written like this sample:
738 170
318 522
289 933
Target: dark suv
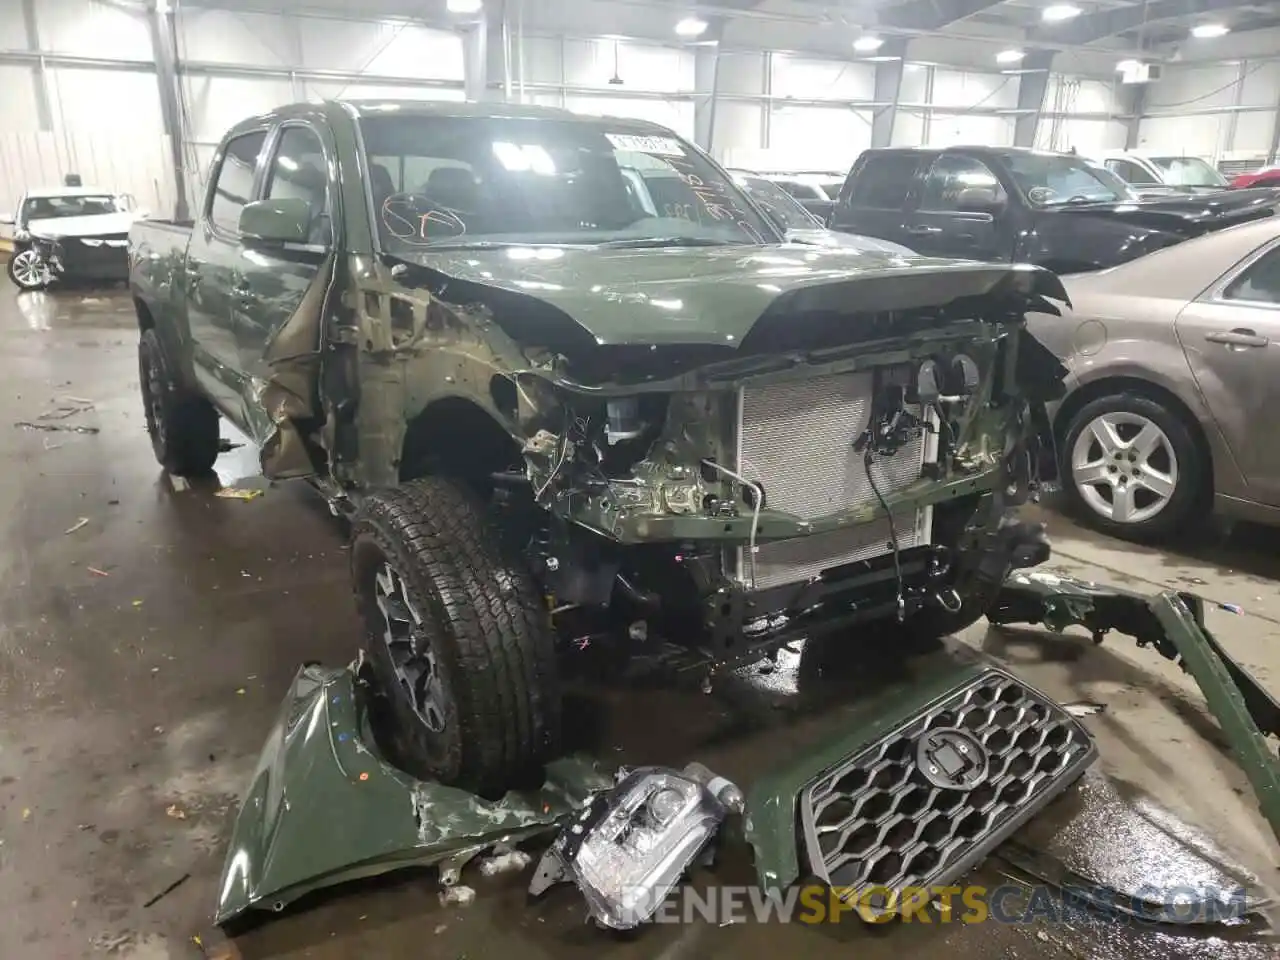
1013 204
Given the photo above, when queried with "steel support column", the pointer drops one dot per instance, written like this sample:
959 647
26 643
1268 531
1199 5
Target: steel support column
1032 86
475 60
706 77
164 46
888 90
1135 106
44 114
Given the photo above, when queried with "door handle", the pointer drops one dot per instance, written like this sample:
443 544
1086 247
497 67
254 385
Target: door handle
922 231
1239 337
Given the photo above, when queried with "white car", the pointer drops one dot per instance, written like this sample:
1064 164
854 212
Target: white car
74 232
1148 171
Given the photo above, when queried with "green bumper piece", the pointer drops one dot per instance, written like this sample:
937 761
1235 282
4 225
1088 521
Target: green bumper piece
772 819
324 808
1172 623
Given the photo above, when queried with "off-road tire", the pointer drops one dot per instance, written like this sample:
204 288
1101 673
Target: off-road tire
183 426
1193 466
488 628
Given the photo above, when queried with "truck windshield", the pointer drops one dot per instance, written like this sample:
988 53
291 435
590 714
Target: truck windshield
1048 179
56 208
1188 172
460 181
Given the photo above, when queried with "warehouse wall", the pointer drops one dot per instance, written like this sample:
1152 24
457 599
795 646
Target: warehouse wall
1197 108
810 110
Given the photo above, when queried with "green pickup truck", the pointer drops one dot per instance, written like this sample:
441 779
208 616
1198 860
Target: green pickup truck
571 386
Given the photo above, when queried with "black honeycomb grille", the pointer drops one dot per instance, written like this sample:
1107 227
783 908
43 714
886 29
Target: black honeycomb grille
876 821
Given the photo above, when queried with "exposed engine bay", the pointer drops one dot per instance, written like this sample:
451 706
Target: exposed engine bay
827 467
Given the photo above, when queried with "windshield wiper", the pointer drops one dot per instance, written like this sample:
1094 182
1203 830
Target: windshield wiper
637 243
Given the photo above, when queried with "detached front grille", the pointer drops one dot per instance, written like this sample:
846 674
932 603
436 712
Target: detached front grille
927 802
795 439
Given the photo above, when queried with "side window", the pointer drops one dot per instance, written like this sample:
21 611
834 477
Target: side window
233 186
1132 172
959 183
299 171
883 180
1260 283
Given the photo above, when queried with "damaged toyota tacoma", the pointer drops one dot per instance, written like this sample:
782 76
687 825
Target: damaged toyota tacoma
571 387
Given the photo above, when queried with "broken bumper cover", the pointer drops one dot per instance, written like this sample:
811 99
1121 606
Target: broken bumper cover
939 773
323 807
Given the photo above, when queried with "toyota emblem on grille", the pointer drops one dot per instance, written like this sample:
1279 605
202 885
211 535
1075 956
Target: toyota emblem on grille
951 759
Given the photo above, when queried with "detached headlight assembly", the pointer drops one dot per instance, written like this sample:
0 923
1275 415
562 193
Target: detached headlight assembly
631 844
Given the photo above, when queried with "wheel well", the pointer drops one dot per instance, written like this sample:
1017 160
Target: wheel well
1113 385
456 436
145 320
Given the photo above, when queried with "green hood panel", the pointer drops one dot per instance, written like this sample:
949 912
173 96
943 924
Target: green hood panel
715 295
323 808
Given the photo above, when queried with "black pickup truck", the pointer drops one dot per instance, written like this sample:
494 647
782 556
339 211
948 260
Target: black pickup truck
1011 204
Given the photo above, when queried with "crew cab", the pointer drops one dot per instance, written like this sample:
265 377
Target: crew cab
568 380
1145 171
1009 204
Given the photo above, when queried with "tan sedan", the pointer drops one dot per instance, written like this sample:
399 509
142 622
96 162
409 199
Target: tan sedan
1174 385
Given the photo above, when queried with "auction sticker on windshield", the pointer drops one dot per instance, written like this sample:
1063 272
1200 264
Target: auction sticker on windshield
657 146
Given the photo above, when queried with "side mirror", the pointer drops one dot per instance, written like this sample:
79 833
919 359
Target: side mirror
273 222
8 219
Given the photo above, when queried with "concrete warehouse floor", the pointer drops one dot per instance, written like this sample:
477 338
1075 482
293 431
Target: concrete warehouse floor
144 654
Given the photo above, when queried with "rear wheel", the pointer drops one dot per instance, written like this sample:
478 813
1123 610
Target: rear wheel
459 638
183 426
1133 468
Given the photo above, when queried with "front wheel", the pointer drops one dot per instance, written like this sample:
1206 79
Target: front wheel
28 271
459 638
1133 468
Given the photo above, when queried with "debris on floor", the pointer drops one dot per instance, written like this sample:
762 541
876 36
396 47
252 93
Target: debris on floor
82 522
510 861
97 573
175 812
51 427
167 890
238 493
631 845
458 895
1084 708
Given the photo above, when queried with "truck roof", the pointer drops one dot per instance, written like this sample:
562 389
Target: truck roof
445 108
974 148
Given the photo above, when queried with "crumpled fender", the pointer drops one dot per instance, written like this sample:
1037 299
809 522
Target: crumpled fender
323 807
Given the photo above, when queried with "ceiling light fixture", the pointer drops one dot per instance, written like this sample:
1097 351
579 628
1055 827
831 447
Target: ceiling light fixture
1009 56
1207 31
1128 66
691 27
868 43
464 6
1058 12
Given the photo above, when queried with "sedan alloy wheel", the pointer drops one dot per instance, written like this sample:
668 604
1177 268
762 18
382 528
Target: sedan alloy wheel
1124 467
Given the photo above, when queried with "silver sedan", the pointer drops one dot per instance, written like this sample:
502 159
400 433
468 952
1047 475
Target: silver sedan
1173 406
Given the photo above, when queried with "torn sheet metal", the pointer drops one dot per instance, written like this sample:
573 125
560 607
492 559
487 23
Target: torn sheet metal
1174 624
323 807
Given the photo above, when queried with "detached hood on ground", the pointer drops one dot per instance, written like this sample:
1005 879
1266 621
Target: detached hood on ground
99 225
717 295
